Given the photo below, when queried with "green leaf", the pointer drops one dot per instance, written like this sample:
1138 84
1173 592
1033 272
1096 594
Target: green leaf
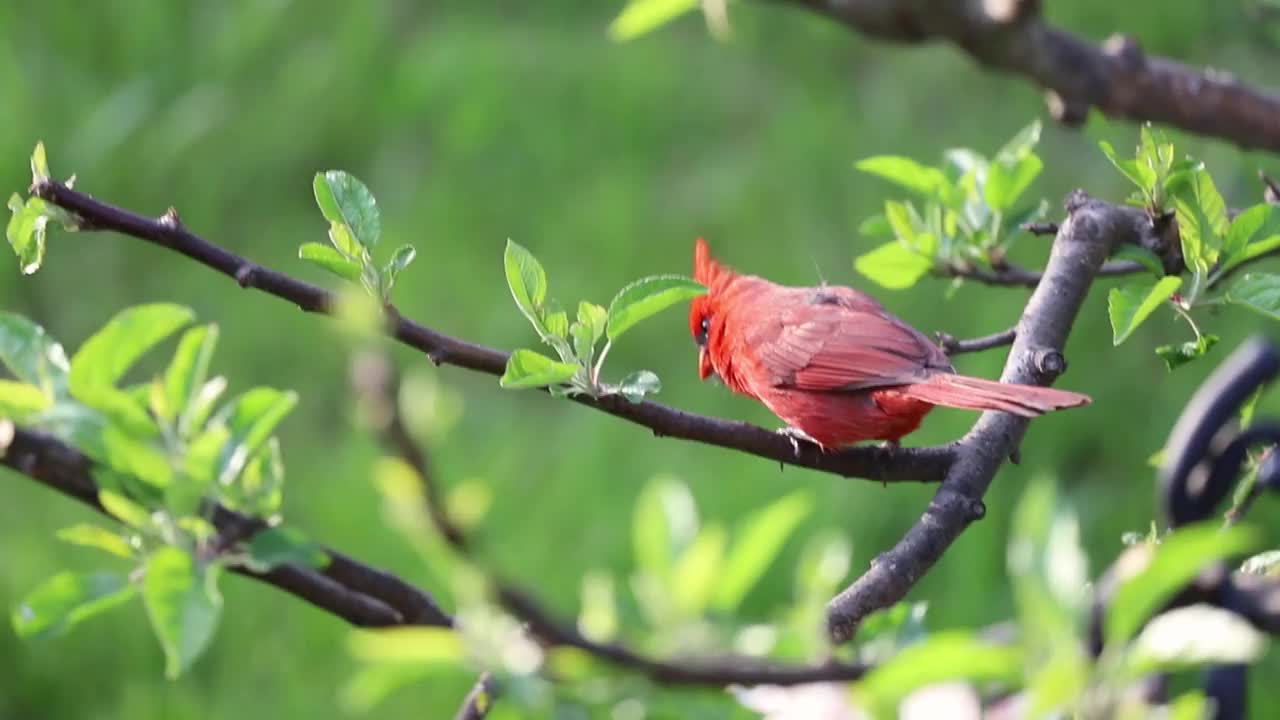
528 283
109 353
1049 569
664 521
1211 203
406 645
1131 304
183 605
1006 183
1194 635
1242 229
250 418
93 536
529 369
1262 246
756 543
66 599
278 546
344 199
905 172
1259 292
345 243
1127 167
642 16
124 510
899 216
695 573
31 355
261 487
598 618
875 226
594 317
1190 705
893 265
1021 145
639 384
646 297
39 164
188 370
201 407
1142 256
331 260
396 265
1175 356
19 401
1174 562
26 232
823 565
558 324
1191 234
943 656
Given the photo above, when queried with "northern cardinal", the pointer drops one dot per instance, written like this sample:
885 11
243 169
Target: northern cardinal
832 363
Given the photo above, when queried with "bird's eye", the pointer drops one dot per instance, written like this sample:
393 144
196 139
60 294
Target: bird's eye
703 328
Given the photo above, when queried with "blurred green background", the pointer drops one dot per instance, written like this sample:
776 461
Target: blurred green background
478 122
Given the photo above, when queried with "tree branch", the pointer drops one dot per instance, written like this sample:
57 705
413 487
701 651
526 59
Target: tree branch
1116 77
927 464
1017 276
1083 243
953 346
362 595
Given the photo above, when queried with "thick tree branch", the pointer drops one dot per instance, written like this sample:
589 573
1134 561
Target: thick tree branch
1116 77
1083 243
899 465
363 596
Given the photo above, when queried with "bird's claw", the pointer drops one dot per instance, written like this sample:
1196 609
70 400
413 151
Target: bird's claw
795 435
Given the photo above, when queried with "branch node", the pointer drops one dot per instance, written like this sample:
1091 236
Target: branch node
170 219
1125 49
1015 456
244 275
1071 112
1271 194
1076 199
1041 228
975 510
1049 363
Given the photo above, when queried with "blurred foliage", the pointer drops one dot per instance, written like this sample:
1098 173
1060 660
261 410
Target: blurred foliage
479 122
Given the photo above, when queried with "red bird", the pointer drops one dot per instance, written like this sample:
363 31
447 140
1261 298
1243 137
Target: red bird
832 363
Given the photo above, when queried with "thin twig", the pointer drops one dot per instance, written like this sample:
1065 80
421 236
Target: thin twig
1116 77
476 705
955 346
927 464
1016 276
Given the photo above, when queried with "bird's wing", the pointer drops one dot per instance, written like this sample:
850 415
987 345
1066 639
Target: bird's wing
844 340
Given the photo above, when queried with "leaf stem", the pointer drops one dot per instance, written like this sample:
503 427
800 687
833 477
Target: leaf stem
595 371
1187 316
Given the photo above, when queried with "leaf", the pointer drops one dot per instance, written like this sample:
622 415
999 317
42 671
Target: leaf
1211 203
756 544
250 419
694 575
558 324
528 283
1005 184
1242 229
594 317
943 656
66 599
406 645
598 619
26 232
1259 292
39 163
124 510
1127 167
188 370
396 265
639 384
31 355
646 297
331 260
1254 249
664 521
201 407
1142 256
875 226
1021 144
1191 231
1174 563
899 216
19 400
183 605
93 536
276 546
904 172
1131 304
1049 569
893 265
1194 635
643 16
106 356
529 369
1175 356
344 199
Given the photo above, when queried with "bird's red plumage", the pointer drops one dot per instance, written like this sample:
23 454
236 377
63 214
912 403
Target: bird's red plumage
833 363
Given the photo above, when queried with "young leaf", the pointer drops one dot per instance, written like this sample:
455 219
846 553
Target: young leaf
19 400
899 216
1021 145
558 324
106 356
529 369
664 521
528 283
1192 232
594 317
893 265
124 510
643 16
1131 304
638 384
278 546
39 163
757 542
250 418
1259 292
694 575
944 656
406 645
26 232
1127 167
1261 246
1175 356
905 172
66 599
396 265
93 536
31 355
1173 563
1006 183
344 199
1242 229
183 605
876 226
1142 256
1211 203
201 406
646 297
188 370
331 260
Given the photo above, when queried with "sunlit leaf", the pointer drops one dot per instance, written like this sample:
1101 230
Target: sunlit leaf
124 510
250 419
527 281
1259 292
109 353
31 355
188 370
1131 304
93 536
598 618
696 572
19 400
944 656
66 599
893 265
396 265
646 297
664 521
643 16
1021 144
182 604
332 260
26 232
529 369
344 199
1242 230
1006 183
904 172
1127 167
757 542
406 645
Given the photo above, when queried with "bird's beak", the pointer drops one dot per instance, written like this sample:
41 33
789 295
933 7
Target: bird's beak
704 364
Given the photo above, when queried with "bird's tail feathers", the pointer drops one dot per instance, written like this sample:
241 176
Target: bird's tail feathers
971 393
